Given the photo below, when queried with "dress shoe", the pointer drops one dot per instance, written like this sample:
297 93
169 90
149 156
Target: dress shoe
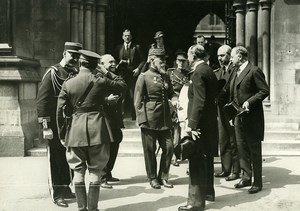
106 185
232 176
60 202
166 183
155 184
210 198
190 208
254 189
112 179
222 174
242 183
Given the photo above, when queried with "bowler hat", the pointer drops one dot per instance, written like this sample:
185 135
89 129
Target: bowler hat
157 52
185 148
89 56
72 47
158 34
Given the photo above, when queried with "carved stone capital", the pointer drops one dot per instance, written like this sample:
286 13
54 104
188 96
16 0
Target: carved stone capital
265 4
252 5
239 6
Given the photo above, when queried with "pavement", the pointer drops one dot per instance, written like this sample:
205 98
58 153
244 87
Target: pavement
23 186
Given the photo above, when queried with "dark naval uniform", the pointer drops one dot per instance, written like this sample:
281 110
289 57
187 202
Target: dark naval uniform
59 175
152 92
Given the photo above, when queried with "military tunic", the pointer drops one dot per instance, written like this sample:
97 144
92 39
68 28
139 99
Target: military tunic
59 175
152 94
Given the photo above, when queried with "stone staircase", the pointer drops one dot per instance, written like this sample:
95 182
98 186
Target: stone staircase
282 138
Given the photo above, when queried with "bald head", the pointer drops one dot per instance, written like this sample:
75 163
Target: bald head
109 62
224 55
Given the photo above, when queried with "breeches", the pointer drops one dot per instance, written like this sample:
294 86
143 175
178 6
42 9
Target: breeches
93 158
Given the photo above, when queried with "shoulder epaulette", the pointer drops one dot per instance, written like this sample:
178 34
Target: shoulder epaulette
49 70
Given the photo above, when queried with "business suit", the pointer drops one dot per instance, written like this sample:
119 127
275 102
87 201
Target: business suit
250 85
152 92
227 140
202 114
136 59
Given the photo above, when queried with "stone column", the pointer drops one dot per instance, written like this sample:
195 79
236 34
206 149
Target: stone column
251 30
88 32
239 6
74 5
265 33
100 26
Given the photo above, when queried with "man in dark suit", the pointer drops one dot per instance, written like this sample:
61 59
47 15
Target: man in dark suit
151 100
113 110
202 122
59 174
130 60
88 136
248 89
227 141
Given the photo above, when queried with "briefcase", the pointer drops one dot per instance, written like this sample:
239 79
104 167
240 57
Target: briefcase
233 110
185 148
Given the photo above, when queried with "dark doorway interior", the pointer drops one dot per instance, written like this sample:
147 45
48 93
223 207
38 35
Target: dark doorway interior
177 18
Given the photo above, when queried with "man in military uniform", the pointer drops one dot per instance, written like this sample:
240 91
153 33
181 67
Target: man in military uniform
59 175
227 140
179 77
113 110
152 92
88 137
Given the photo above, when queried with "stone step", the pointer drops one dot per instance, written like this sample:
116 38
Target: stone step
132 147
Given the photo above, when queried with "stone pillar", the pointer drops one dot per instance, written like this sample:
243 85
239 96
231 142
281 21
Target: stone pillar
239 6
18 116
251 30
88 32
100 26
75 5
265 33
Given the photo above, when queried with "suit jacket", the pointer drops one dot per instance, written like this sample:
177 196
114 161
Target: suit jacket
251 86
224 93
136 59
87 128
151 100
202 112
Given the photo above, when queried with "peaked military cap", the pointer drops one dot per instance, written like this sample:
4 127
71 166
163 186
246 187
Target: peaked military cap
89 56
158 34
157 52
72 47
181 54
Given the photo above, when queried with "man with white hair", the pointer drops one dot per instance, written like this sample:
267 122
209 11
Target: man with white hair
113 110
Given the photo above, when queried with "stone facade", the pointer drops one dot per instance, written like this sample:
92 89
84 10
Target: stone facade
285 51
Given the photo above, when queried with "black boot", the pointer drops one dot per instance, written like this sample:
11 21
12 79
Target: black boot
93 196
80 192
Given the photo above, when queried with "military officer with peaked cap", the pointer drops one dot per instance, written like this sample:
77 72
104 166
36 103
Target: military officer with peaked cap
59 174
152 92
88 137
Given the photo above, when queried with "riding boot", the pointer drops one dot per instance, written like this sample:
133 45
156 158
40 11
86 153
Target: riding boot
81 197
93 196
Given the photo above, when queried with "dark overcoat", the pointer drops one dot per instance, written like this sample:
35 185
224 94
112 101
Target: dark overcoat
202 111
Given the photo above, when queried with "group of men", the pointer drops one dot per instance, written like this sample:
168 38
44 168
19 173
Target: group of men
81 114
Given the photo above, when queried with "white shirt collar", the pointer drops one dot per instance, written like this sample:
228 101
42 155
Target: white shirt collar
243 66
127 44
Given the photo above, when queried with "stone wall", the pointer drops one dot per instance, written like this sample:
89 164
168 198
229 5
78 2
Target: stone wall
285 65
